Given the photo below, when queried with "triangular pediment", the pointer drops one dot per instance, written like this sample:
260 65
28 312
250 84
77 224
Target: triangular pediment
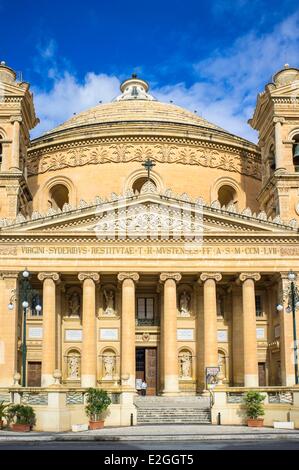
145 215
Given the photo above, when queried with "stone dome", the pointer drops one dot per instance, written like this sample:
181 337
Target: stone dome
135 105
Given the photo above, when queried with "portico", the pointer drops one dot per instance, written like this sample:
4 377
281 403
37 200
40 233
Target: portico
228 323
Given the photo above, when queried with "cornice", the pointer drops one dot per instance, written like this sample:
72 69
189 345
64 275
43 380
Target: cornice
215 238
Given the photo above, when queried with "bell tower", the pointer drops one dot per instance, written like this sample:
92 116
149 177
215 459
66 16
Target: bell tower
276 117
17 118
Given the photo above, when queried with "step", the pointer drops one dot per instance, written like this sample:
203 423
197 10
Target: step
166 415
172 402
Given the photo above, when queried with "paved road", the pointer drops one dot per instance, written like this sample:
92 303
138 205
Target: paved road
147 445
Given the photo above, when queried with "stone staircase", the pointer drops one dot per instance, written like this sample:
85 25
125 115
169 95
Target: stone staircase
173 410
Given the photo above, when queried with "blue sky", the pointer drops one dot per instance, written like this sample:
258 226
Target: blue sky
210 56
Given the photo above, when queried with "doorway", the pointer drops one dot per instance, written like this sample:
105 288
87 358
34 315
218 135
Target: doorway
146 368
34 374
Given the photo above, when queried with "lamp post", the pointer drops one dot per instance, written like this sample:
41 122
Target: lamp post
291 294
28 296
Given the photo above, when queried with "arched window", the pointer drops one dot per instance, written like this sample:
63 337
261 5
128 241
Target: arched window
227 195
1 153
58 196
73 365
137 185
296 152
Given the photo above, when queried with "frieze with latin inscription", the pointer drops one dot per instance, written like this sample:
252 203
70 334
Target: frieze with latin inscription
111 251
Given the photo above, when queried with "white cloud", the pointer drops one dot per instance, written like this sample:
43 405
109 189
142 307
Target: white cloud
224 92
69 96
229 80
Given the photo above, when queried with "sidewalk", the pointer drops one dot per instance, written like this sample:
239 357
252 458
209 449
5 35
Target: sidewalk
157 433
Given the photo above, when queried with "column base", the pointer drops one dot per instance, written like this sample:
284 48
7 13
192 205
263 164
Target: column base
47 380
171 386
166 393
251 380
88 381
289 381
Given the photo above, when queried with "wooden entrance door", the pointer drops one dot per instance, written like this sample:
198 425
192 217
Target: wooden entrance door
34 374
151 370
262 374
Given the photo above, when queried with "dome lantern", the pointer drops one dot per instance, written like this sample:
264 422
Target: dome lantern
134 89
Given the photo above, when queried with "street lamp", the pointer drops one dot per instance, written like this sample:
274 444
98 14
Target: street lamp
28 296
291 294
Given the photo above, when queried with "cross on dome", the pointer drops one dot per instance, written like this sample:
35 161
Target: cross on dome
135 89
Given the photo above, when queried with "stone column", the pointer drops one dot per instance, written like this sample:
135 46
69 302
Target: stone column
15 152
89 344
200 369
210 346
286 338
278 143
8 328
49 327
237 337
128 354
249 329
169 334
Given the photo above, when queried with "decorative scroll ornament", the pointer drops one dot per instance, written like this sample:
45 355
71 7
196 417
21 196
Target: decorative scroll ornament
175 276
122 276
254 276
126 152
205 276
45 275
94 276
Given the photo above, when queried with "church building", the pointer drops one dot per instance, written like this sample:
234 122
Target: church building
141 242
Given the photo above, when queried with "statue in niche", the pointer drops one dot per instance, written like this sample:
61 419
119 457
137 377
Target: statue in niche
222 367
74 304
73 367
109 366
109 298
185 366
185 299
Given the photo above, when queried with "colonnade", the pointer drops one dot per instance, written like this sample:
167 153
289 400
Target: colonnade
244 342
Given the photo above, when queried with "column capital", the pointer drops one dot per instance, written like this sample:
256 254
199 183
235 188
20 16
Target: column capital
175 276
9 275
124 275
16 119
279 119
86 275
215 276
254 276
284 275
44 275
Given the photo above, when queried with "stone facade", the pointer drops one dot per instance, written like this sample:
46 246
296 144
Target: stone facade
148 280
